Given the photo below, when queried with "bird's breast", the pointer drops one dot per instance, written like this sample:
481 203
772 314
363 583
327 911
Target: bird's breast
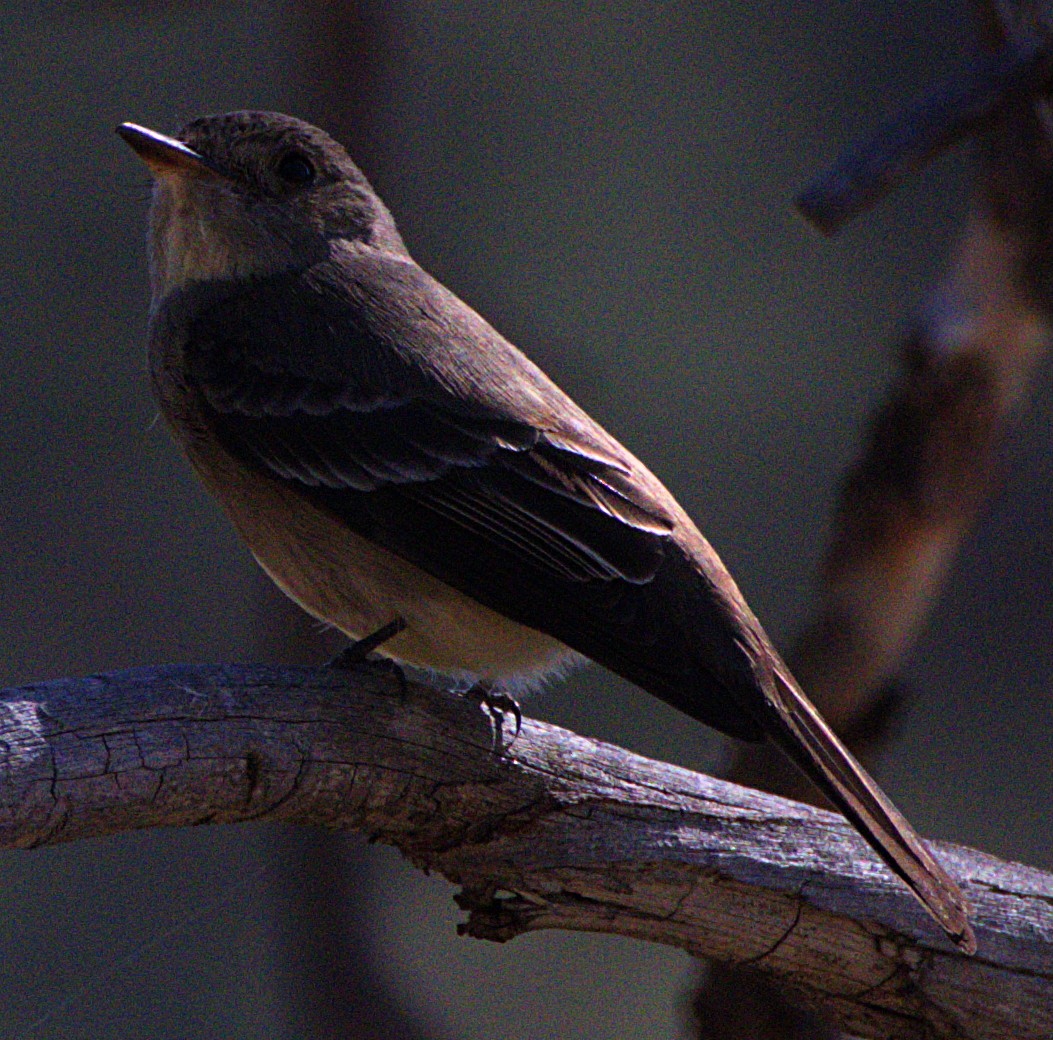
358 586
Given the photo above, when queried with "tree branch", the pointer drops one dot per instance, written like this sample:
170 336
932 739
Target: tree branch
867 171
555 831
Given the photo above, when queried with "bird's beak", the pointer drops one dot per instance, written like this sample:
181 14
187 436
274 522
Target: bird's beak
165 155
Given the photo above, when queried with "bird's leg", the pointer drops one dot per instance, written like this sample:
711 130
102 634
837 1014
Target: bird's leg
355 654
498 704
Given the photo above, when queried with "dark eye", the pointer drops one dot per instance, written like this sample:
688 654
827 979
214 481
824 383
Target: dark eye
295 169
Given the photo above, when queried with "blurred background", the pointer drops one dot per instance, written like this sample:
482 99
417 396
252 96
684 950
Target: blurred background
610 184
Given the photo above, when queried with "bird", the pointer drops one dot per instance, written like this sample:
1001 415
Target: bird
408 476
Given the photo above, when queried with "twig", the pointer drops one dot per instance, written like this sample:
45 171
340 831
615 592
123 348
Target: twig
871 168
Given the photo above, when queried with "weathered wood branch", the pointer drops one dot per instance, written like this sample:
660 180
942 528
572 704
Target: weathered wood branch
553 831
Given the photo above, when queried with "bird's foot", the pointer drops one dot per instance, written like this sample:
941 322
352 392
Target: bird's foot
355 654
498 704
358 653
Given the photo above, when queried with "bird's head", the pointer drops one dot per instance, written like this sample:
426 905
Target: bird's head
248 194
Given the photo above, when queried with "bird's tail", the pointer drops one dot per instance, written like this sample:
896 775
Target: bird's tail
796 726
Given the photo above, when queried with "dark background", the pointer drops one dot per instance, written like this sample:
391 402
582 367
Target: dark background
610 184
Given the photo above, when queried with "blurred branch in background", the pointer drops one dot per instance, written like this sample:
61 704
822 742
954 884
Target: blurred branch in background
552 831
914 494
341 51
333 986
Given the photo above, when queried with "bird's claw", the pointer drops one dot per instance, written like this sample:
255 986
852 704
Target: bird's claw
498 704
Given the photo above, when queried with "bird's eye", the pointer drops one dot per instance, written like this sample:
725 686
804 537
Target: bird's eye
296 169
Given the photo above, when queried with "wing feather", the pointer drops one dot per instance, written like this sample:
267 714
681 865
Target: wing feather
349 410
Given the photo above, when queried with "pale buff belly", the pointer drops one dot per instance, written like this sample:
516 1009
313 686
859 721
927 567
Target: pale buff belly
358 587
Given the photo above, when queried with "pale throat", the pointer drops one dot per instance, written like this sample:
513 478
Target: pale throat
196 236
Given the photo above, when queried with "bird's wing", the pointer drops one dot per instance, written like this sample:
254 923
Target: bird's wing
457 455
324 393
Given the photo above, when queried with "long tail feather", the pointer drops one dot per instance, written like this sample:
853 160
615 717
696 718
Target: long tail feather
801 732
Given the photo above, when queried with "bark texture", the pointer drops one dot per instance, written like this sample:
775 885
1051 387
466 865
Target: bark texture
548 830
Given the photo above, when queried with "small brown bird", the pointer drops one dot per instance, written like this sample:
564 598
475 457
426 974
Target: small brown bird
396 465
